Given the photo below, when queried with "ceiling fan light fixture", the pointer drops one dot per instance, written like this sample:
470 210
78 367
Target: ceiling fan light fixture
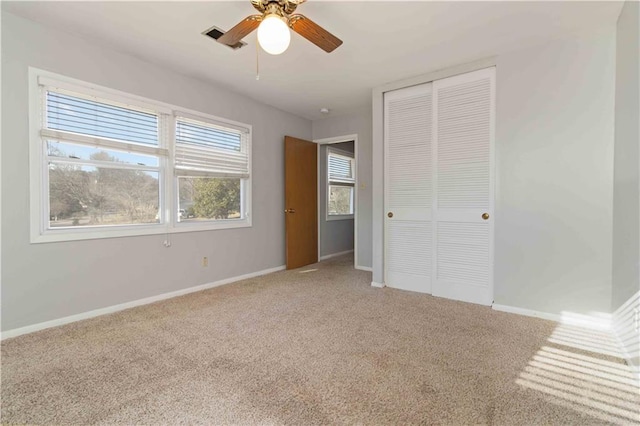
273 34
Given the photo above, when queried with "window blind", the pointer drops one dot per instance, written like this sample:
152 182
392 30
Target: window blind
211 150
340 168
99 119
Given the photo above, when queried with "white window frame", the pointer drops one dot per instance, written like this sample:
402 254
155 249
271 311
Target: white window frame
169 204
245 188
350 155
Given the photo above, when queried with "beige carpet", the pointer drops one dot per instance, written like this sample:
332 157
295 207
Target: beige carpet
320 347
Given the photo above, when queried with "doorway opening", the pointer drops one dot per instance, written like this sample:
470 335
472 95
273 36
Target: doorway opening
338 197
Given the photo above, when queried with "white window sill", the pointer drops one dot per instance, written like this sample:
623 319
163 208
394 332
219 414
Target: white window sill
60 235
340 217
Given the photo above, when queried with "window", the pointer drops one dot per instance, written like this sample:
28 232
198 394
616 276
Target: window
340 184
100 170
107 164
212 167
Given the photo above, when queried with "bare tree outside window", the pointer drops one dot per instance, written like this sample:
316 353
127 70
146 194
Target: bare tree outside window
86 195
340 200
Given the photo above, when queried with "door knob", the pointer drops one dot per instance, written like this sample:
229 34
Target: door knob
485 216
390 214
289 211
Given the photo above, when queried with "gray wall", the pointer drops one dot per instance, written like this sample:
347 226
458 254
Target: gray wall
554 169
336 236
42 282
554 143
360 124
626 191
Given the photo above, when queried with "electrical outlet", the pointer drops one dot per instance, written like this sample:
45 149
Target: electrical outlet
205 262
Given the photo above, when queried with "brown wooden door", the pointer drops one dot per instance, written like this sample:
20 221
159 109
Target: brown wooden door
301 201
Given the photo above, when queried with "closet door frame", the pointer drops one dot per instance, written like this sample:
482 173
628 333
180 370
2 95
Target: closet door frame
380 150
377 139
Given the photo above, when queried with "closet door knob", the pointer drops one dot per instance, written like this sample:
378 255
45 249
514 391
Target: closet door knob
390 214
485 216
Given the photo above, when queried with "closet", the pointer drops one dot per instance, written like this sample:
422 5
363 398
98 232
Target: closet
439 187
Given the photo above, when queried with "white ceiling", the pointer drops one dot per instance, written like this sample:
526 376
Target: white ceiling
383 41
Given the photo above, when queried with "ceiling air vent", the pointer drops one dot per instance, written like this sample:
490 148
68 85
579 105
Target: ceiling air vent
215 33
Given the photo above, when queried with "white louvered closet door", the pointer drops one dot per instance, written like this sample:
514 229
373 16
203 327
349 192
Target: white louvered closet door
408 188
464 116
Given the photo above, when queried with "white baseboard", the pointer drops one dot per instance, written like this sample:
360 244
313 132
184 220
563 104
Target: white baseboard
377 285
147 300
364 268
329 256
526 312
626 327
594 322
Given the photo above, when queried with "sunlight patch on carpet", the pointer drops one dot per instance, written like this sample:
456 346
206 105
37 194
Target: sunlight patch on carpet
579 369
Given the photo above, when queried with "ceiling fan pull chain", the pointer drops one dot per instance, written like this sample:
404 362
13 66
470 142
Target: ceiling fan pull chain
257 60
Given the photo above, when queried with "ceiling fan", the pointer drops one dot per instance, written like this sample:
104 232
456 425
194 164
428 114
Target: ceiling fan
273 23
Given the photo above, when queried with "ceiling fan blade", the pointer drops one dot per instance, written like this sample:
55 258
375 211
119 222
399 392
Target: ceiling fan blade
240 31
314 33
